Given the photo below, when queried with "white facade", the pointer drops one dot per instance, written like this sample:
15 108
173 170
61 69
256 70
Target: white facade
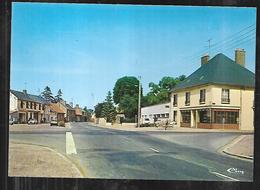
13 106
159 111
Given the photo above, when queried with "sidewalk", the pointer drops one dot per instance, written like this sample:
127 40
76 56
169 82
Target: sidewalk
242 147
169 129
37 161
42 127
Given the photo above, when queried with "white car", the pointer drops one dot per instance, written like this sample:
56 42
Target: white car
11 122
54 122
32 121
147 121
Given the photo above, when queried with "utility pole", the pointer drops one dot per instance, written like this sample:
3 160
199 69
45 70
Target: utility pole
209 40
139 102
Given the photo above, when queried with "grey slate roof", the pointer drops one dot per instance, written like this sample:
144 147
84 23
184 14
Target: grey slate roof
28 97
69 107
219 70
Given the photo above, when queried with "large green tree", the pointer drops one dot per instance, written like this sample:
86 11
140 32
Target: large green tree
58 97
125 86
125 94
129 105
47 94
160 93
98 109
109 110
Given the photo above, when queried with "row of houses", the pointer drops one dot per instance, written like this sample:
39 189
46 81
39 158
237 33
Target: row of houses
218 95
25 106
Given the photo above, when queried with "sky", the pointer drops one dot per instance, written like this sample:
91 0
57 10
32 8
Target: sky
83 49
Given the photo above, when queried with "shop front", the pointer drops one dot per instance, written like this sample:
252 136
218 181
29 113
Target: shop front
210 118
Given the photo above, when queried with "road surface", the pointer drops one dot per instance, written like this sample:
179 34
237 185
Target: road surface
114 154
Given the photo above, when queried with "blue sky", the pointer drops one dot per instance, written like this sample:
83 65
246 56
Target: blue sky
84 49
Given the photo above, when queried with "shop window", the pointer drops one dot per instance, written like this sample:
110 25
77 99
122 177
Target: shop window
186 116
204 116
174 115
226 117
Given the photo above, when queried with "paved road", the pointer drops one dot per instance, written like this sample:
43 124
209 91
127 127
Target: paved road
108 153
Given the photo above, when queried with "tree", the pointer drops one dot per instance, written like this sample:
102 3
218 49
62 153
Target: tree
160 93
59 95
109 110
125 86
167 83
98 109
88 113
47 94
129 105
125 94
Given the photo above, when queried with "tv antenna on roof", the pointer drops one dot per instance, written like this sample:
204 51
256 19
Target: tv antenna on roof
25 85
209 40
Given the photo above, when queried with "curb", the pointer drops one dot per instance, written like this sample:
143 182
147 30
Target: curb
80 171
238 155
174 130
232 143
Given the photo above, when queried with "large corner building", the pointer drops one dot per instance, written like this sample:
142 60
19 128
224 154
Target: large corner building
218 95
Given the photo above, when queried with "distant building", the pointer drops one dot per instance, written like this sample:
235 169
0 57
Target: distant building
218 95
68 110
24 106
56 113
157 112
78 113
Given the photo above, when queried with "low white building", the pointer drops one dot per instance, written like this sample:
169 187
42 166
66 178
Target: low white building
156 112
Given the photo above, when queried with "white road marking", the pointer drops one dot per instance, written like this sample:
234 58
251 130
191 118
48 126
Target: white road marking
222 175
70 144
154 150
126 138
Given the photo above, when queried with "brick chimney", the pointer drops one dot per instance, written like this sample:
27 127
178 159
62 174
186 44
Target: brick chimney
205 59
240 55
25 91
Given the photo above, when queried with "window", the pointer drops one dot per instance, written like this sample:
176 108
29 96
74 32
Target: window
31 105
175 99
40 106
202 96
21 104
27 104
225 96
187 98
35 106
174 115
186 116
167 106
43 107
226 117
204 116
167 115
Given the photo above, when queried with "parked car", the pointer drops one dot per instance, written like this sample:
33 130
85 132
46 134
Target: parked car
32 121
54 122
11 121
146 121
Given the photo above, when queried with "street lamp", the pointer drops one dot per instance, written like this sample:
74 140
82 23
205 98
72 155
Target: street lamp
139 102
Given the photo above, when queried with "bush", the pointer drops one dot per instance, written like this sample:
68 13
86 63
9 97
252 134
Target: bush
61 123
